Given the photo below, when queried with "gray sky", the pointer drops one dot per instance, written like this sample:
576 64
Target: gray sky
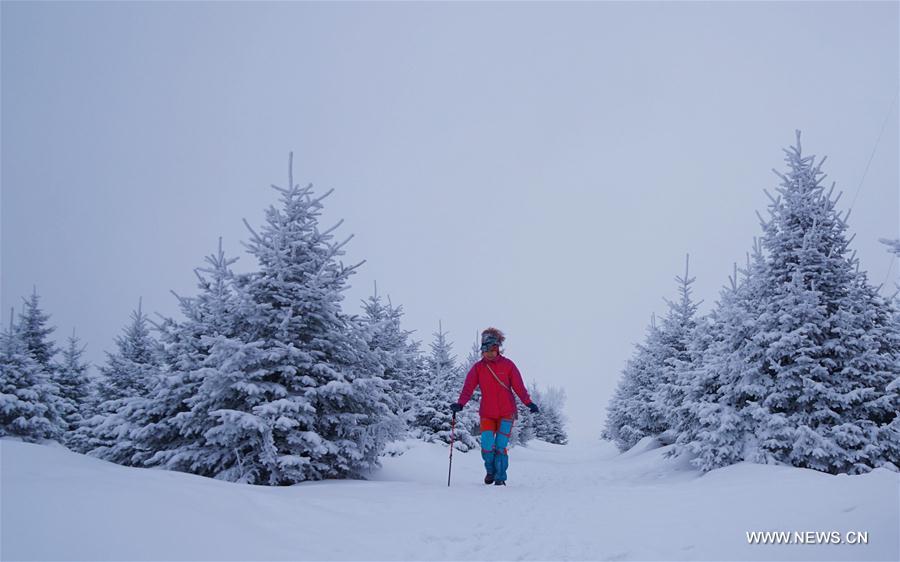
539 167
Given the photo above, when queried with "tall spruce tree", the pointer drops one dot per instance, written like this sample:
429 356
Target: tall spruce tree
805 349
34 330
676 338
318 405
74 384
126 380
171 429
236 444
442 383
649 400
831 345
398 354
554 428
523 429
220 433
549 425
894 247
29 402
633 411
470 417
715 421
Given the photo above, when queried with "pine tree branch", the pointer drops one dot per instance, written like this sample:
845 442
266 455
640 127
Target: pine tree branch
839 195
762 221
318 200
332 229
197 271
337 247
181 300
352 267
256 237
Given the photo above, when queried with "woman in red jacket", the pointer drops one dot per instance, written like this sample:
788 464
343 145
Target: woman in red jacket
497 377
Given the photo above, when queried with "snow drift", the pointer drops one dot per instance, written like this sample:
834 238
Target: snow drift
576 502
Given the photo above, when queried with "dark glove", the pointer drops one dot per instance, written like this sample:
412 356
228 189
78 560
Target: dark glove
534 408
455 407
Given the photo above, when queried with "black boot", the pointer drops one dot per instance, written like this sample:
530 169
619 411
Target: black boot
488 478
500 483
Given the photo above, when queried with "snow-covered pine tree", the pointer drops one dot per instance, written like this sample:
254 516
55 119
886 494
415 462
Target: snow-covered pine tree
676 337
715 422
29 402
523 429
225 438
171 430
894 248
74 384
891 433
432 421
219 371
633 412
473 357
127 378
132 369
620 427
399 355
831 345
870 431
650 395
539 423
470 416
443 381
35 331
319 406
555 428
804 349
236 444
549 425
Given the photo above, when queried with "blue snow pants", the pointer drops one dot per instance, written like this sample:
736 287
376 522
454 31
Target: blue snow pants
494 440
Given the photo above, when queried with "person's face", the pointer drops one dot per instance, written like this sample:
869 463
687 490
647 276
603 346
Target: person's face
491 354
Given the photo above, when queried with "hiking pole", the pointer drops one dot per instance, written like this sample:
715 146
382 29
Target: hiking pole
452 427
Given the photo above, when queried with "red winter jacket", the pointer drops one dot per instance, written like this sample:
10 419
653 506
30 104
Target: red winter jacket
496 401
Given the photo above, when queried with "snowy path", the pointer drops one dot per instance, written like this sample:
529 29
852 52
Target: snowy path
579 502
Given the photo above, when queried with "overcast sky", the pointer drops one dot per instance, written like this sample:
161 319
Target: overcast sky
539 167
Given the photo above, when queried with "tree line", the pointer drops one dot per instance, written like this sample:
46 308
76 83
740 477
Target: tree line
263 379
797 363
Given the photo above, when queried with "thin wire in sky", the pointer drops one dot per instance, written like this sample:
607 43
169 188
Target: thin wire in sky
890 269
874 148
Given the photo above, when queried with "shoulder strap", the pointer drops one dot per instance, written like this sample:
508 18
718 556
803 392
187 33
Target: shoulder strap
496 377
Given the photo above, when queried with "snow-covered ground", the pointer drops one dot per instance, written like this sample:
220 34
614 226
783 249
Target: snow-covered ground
578 502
